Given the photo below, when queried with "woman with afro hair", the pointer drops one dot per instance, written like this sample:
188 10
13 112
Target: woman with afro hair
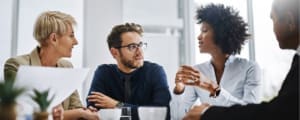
225 80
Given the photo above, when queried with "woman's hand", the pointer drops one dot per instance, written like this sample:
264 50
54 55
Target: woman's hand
58 112
190 76
89 114
179 85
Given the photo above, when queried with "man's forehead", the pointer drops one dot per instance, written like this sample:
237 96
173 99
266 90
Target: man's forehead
128 38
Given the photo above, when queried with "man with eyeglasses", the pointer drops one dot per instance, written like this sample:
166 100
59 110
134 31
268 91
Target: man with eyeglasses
132 82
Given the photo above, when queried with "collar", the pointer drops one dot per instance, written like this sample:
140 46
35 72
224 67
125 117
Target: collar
229 60
35 58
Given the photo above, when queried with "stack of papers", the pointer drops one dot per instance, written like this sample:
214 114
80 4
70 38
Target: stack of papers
61 82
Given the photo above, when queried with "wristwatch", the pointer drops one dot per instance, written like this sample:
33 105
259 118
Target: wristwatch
216 92
120 104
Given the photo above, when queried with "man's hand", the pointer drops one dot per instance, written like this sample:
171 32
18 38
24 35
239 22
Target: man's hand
102 100
195 112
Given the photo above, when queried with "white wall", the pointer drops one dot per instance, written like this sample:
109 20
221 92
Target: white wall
100 16
6 8
155 13
163 49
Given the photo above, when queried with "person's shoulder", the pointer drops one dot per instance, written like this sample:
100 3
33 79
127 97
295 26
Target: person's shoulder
64 63
148 64
243 62
106 67
204 65
151 68
19 60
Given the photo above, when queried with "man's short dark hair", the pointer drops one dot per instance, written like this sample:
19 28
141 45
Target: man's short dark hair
114 38
281 6
230 31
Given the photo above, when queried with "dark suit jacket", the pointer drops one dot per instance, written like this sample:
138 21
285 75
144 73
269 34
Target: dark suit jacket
284 106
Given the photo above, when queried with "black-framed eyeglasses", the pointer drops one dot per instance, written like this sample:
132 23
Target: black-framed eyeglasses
133 46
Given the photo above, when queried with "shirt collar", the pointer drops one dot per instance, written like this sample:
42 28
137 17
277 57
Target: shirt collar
229 60
34 57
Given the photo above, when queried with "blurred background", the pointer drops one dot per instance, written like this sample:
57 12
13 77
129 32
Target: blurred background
170 31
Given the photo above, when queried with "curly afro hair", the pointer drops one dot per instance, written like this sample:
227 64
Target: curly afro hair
230 31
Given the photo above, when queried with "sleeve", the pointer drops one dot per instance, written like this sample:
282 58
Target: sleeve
236 112
181 104
10 69
73 102
251 89
161 93
280 108
97 84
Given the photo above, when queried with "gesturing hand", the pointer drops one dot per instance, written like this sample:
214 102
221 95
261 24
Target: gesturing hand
190 76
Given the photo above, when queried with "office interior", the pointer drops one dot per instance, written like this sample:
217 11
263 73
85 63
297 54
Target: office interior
170 30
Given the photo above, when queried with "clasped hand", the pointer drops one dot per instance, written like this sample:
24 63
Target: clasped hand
101 100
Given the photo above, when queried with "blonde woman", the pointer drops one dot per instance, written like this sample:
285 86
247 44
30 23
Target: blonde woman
53 31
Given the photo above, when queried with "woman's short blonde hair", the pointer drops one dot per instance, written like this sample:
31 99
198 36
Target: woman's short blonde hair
51 22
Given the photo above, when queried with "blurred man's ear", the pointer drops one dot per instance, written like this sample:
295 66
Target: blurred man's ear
291 22
114 52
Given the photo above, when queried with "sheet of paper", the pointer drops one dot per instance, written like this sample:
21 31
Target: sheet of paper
62 82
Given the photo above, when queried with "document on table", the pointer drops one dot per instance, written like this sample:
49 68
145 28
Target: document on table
61 82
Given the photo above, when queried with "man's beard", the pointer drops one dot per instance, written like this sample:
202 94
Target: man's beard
129 63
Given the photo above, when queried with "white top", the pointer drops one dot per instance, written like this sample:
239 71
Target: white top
240 84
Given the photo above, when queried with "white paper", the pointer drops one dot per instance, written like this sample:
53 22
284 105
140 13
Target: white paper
62 82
